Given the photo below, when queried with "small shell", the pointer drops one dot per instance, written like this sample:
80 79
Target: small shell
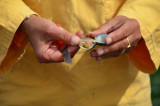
87 43
100 39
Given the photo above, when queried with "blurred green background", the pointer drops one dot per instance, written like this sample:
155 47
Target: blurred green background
155 87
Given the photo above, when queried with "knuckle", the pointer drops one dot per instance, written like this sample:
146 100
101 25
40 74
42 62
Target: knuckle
105 49
111 49
58 58
123 17
135 23
45 57
109 21
125 44
123 32
95 33
114 36
139 37
49 30
64 35
118 48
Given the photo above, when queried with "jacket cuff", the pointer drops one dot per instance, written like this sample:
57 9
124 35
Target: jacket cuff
12 42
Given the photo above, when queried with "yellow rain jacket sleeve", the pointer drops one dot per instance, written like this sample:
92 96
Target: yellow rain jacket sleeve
147 12
12 14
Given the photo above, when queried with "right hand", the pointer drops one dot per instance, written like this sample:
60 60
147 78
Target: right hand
42 33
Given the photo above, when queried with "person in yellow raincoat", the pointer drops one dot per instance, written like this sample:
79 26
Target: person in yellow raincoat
118 77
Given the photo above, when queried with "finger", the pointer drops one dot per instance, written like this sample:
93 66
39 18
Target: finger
89 35
50 56
109 55
108 27
58 55
55 57
93 53
124 31
73 50
61 34
118 46
79 33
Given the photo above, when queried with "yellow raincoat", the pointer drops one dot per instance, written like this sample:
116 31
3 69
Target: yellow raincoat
85 82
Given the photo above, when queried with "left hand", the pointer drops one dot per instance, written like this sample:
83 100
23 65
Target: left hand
122 33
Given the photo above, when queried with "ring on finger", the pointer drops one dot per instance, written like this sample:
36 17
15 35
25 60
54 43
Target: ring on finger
129 44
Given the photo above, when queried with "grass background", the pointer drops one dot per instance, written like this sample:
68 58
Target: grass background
155 88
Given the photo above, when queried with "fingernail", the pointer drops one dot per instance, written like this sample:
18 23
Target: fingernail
93 54
109 41
75 40
100 51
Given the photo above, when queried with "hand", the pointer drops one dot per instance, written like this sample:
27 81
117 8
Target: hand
122 31
42 35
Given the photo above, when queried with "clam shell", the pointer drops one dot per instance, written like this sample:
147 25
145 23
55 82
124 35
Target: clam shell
100 39
87 43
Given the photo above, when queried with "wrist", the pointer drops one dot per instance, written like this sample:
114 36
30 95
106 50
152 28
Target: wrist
27 18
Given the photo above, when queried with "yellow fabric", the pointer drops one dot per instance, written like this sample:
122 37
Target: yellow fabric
12 14
85 82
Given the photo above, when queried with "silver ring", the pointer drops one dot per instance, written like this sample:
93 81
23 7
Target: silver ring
129 44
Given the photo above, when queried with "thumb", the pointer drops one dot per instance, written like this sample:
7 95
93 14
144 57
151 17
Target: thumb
68 38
